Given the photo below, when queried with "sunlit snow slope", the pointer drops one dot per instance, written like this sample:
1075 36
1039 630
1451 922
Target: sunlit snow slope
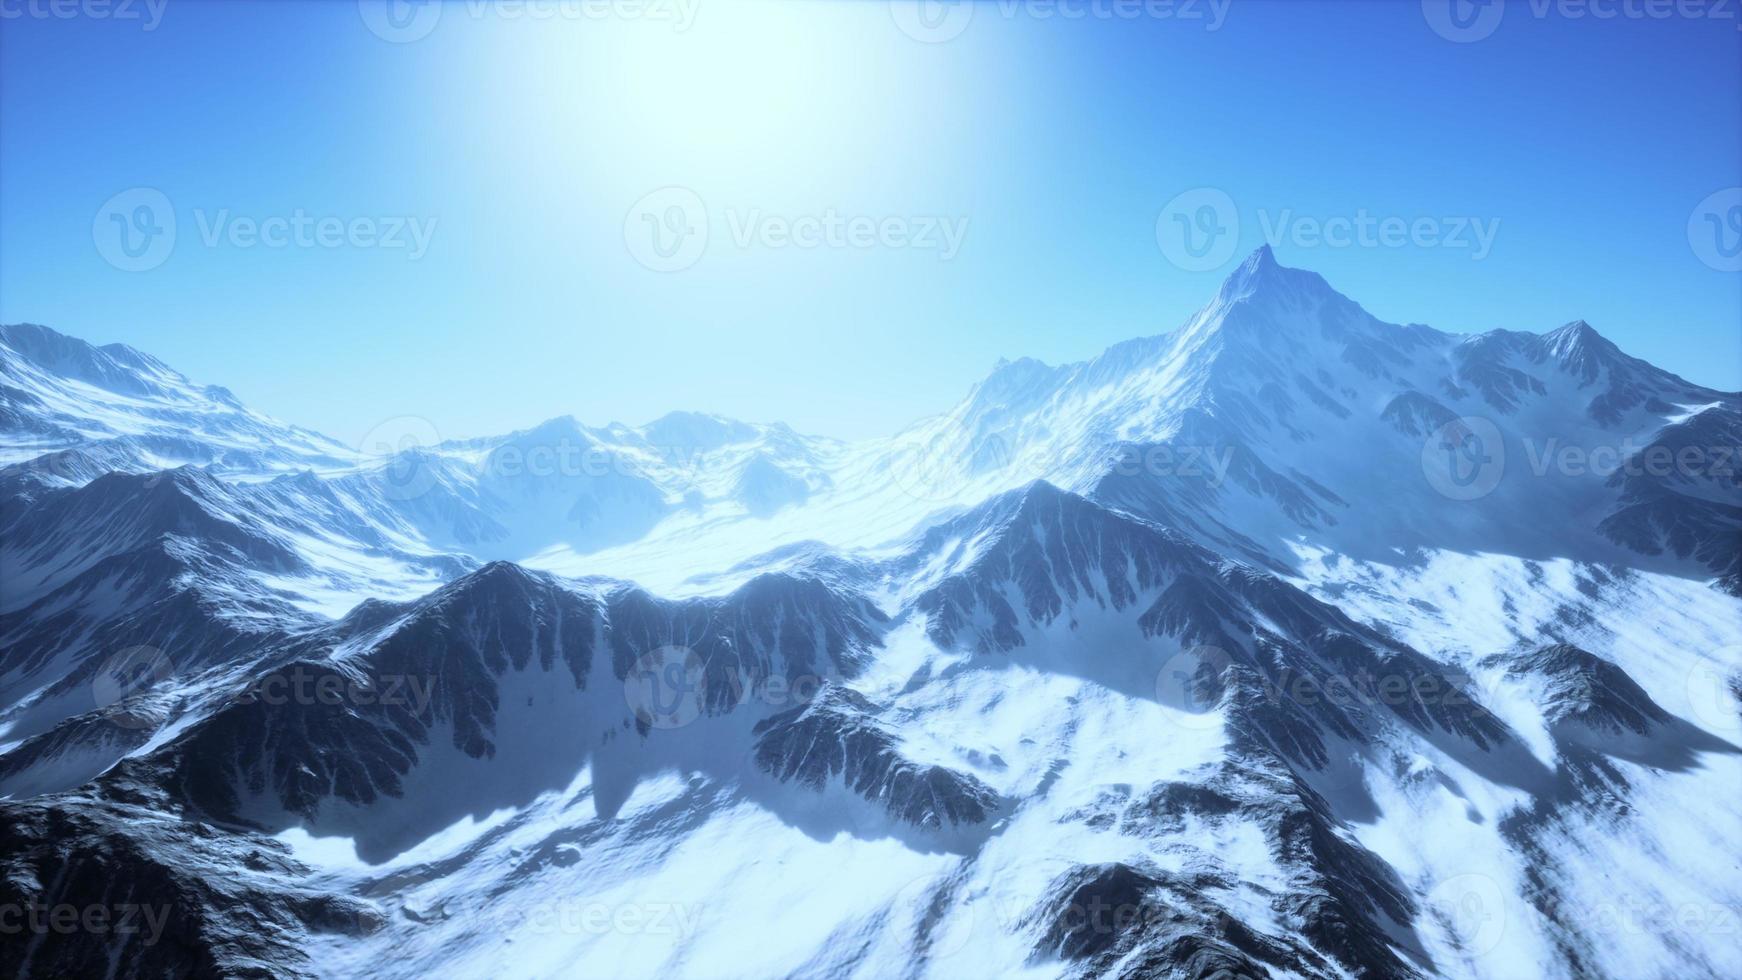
1288 643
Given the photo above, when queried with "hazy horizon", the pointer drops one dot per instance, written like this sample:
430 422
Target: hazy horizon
890 204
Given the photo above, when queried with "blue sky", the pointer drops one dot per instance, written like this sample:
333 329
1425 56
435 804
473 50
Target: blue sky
993 193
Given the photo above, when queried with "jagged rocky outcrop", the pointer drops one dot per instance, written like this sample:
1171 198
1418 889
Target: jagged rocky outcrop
432 674
1581 688
1029 555
188 570
837 736
120 881
1292 668
1681 493
1416 414
1346 902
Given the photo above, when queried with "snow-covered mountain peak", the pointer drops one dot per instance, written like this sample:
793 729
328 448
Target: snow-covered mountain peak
1581 350
1257 271
112 367
1217 626
115 407
700 430
1261 279
1577 333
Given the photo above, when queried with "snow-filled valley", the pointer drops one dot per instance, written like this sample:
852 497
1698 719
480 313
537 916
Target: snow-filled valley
1288 643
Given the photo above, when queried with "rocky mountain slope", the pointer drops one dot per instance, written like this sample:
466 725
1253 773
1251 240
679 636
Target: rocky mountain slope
1289 643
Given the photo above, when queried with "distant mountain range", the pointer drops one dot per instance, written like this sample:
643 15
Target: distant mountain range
1288 643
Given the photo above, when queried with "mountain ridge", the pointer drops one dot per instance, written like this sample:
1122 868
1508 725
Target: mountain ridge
1210 632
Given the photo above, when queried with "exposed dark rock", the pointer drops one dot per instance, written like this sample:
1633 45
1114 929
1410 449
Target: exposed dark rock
837 735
